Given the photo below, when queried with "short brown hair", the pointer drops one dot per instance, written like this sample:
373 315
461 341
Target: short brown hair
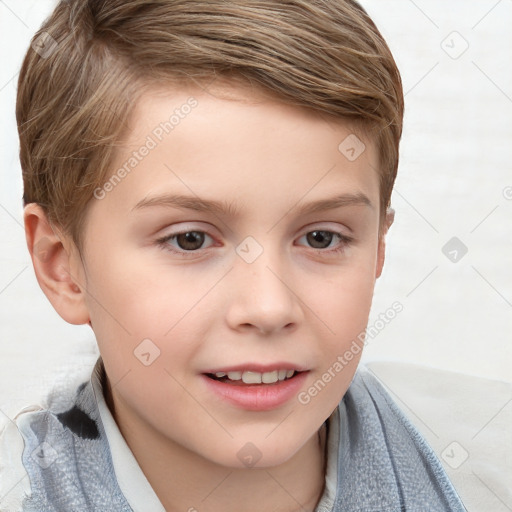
74 102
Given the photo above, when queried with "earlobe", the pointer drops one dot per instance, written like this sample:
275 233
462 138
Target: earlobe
56 266
381 251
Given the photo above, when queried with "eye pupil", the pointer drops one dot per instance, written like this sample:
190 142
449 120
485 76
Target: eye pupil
320 239
191 240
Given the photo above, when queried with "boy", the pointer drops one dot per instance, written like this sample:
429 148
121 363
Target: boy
207 185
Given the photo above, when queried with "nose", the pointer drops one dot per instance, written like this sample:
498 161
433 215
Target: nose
263 298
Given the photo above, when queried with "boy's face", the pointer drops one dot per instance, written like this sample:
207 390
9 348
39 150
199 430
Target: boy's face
280 274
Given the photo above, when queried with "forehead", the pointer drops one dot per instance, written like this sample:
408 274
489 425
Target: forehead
210 139
223 105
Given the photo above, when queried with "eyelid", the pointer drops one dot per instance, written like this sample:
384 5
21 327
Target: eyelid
333 227
179 228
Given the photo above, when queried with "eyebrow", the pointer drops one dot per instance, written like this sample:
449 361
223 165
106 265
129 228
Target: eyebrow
225 208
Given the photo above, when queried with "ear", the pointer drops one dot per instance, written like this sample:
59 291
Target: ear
57 266
381 251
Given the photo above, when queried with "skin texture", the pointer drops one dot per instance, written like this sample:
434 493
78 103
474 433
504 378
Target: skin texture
208 308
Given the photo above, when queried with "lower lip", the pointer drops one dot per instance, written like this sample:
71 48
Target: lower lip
257 397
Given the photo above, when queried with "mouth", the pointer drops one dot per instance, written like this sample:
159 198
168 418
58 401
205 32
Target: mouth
256 387
248 378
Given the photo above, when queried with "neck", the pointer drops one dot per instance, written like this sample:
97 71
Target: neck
191 485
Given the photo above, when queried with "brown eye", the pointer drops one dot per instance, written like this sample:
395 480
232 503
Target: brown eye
185 242
320 239
190 241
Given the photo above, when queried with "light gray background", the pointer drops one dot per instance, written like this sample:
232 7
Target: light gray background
455 180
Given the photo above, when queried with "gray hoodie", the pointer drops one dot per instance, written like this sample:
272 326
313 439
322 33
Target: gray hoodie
71 457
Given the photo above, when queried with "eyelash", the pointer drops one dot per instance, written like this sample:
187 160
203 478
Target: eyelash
343 243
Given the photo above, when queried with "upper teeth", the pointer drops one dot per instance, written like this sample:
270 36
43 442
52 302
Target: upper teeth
256 377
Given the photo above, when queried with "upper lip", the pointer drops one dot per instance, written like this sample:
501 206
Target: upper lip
259 368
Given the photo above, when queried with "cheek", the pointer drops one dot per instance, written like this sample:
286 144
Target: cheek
344 300
130 292
131 301
343 305
345 312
